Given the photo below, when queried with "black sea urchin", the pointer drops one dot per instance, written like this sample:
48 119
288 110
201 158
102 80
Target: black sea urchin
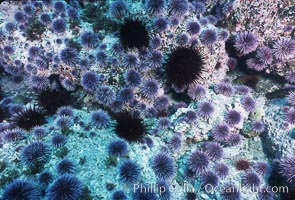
133 34
51 100
184 67
29 118
129 127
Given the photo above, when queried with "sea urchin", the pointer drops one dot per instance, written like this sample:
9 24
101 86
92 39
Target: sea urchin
129 127
184 67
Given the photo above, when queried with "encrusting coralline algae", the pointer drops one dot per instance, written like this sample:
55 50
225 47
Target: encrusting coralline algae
188 99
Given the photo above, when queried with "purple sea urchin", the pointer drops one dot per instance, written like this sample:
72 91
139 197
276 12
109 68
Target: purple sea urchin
155 6
58 140
119 195
161 103
102 58
39 132
117 148
69 56
264 55
182 39
129 172
155 42
233 139
100 119
34 51
59 26
89 39
248 103
126 95
160 24
284 49
291 98
193 28
233 117
208 37
199 6
222 170
131 60
21 189
45 18
290 76
66 167
191 116
39 82
59 6
178 7
19 16
189 174
251 179
64 187
174 143
132 78
89 80
8 49
118 9
261 168
64 122
164 192
290 116
45 178
221 132
287 168
224 88
155 59
65 111
150 88
10 27
246 42
105 94
73 14
197 92
223 35
35 155
256 64
163 166
198 162
258 126
206 109
242 89
12 135
209 179
164 123
213 150
265 194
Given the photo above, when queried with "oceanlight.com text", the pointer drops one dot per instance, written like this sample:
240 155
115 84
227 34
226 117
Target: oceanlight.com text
208 188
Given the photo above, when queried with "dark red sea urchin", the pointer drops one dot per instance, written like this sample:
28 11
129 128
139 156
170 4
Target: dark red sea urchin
133 34
29 118
184 67
129 127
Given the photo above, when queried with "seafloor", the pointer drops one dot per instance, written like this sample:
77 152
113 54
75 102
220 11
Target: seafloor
147 99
